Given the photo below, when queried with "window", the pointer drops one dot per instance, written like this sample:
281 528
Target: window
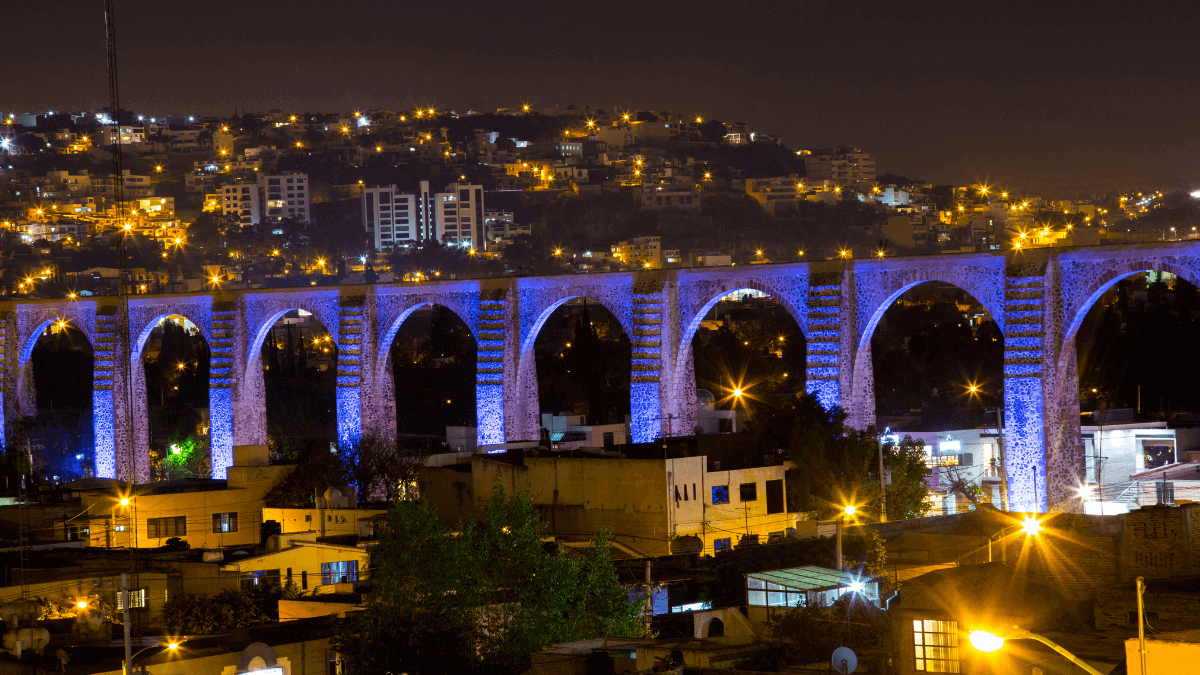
339 572
775 496
721 545
304 580
225 522
748 492
137 598
157 528
936 646
259 578
120 528
1165 491
720 494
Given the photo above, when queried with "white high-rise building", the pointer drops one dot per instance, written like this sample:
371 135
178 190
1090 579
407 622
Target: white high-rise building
459 216
269 199
454 217
390 217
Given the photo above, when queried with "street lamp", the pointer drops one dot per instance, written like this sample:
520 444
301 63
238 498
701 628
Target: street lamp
1030 525
988 642
171 646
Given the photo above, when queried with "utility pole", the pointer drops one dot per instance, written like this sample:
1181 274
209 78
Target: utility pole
1003 464
125 601
1100 457
882 488
648 612
1141 588
837 551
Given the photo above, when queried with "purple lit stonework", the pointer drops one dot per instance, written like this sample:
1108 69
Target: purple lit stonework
1038 298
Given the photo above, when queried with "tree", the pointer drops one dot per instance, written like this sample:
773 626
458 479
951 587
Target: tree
837 464
206 614
907 495
483 600
383 468
713 131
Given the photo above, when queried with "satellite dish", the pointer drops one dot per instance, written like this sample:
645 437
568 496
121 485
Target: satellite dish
844 661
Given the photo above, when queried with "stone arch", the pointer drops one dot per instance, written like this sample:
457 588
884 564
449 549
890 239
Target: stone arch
391 325
1094 286
383 374
1083 283
558 299
250 412
714 627
876 296
30 326
25 394
139 333
682 380
143 321
861 406
533 320
690 325
261 315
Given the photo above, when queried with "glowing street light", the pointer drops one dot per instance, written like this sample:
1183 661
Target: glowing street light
850 509
1031 526
82 604
990 641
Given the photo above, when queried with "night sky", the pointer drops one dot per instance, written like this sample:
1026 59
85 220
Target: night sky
1055 98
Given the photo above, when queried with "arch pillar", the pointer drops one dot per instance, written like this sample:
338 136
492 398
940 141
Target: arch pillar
652 344
1028 366
221 359
248 391
497 344
353 351
377 392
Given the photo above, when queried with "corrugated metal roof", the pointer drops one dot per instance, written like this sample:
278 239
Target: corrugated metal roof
808 578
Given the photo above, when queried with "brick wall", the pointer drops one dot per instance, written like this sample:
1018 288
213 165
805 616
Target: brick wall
1164 610
1157 543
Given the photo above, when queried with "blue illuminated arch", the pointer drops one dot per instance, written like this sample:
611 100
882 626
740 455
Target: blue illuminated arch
383 353
689 331
139 341
536 328
877 315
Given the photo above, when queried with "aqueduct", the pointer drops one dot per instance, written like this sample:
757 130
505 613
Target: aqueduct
1037 297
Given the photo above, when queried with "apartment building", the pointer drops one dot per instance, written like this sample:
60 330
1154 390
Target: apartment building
132 186
268 199
458 213
671 195
390 217
640 252
454 216
842 165
780 191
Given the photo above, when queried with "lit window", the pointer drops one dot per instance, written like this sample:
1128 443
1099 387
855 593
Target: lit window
936 646
136 599
720 494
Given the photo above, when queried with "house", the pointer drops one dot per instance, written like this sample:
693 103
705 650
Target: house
313 567
654 506
289 648
1175 652
939 610
807 586
205 513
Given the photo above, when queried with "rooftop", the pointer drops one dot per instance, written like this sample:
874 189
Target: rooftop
808 578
